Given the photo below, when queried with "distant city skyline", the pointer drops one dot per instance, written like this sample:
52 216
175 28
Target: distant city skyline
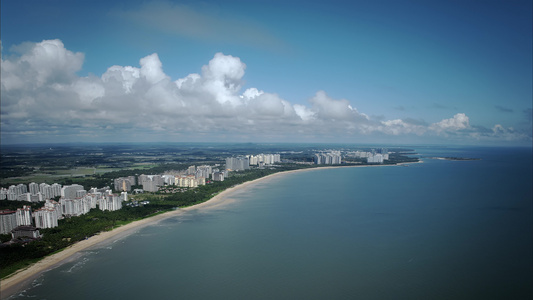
387 72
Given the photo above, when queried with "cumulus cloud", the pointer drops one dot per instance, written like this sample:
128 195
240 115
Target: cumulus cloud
459 122
330 109
47 62
43 97
400 127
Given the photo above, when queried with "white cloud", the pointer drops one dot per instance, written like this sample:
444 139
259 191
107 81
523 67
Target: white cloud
88 89
151 69
47 62
42 94
303 112
327 108
508 134
126 76
459 122
399 127
251 93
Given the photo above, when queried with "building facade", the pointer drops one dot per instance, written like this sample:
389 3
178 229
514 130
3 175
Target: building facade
24 216
45 218
8 221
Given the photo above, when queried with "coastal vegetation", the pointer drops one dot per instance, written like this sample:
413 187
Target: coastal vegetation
122 161
72 230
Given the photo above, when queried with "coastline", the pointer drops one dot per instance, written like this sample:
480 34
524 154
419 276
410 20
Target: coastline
20 279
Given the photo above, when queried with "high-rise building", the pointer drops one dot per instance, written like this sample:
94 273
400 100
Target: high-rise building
34 188
328 158
203 171
16 191
56 189
237 163
46 190
69 191
187 181
376 159
110 202
124 183
267 159
151 183
71 207
191 170
218 176
8 221
22 188
51 204
169 179
92 199
24 216
45 218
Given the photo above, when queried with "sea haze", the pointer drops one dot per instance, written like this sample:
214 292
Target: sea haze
440 229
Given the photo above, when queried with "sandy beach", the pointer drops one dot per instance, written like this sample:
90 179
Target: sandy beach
23 277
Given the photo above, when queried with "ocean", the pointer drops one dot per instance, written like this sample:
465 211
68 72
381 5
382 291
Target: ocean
440 229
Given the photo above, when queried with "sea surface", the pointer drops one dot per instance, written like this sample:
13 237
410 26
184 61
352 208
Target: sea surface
439 229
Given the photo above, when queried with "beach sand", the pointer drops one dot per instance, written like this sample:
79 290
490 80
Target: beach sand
20 279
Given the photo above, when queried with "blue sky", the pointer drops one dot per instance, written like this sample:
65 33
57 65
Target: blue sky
445 72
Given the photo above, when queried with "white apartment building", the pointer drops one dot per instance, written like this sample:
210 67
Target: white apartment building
203 171
8 221
70 191
24 216
92 199
329 158
71 207
45 218
34 188
237 163
51 204
187 181
375 159
218 176
267 159
110 202
169 179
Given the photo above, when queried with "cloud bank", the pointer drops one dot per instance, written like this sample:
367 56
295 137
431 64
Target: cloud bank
43 99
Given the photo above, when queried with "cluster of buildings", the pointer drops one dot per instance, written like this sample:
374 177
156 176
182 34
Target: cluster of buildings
374 156
190 178
242 163
328 158
74 201
124 183
263 159
32 193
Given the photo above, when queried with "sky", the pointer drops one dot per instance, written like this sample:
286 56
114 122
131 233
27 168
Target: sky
388 72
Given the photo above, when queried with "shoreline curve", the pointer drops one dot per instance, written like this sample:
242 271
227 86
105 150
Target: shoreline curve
20 279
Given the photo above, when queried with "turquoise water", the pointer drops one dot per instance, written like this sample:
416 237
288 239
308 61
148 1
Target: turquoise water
433 230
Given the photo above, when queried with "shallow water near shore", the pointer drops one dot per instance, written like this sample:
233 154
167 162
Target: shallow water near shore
438 230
